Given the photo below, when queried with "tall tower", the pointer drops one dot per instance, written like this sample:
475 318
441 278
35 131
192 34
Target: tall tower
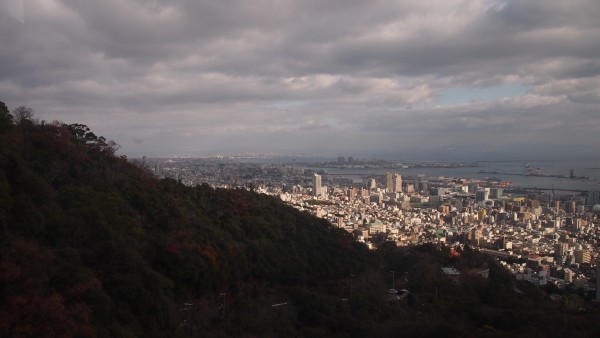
397 183
389 181
316 185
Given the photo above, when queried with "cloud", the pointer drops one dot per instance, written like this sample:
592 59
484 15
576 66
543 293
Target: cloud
206 76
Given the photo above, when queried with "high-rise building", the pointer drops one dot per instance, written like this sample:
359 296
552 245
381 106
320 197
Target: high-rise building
482 195
572 206
397 183
582 256
561 249
393 182
352 192
372 184
316 185
594 197
424 186
389 181
476 235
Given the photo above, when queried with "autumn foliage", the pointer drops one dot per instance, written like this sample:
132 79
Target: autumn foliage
93 245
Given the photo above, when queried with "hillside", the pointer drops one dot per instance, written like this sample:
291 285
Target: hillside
93 245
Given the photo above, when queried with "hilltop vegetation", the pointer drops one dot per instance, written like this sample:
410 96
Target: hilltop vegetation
92 245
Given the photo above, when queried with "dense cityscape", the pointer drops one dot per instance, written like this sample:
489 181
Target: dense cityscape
291 168
542 236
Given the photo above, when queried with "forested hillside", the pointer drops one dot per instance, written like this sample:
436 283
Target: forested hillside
92 245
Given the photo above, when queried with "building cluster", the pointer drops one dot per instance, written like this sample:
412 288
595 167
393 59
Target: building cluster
548 239
541 237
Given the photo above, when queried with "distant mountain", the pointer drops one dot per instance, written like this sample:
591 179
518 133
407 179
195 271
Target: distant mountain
92 245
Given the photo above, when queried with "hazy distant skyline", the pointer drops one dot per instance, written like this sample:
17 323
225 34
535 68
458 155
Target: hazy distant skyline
339 76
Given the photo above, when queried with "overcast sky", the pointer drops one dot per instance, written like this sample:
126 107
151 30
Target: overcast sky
311 76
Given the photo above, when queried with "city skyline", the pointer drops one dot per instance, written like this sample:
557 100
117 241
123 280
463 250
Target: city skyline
439 78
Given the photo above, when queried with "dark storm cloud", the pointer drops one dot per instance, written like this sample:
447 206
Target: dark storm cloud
187 76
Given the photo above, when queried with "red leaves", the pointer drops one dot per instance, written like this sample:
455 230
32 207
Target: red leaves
240 206
44 316
173 248
179 240
210 254
26 265
32 307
